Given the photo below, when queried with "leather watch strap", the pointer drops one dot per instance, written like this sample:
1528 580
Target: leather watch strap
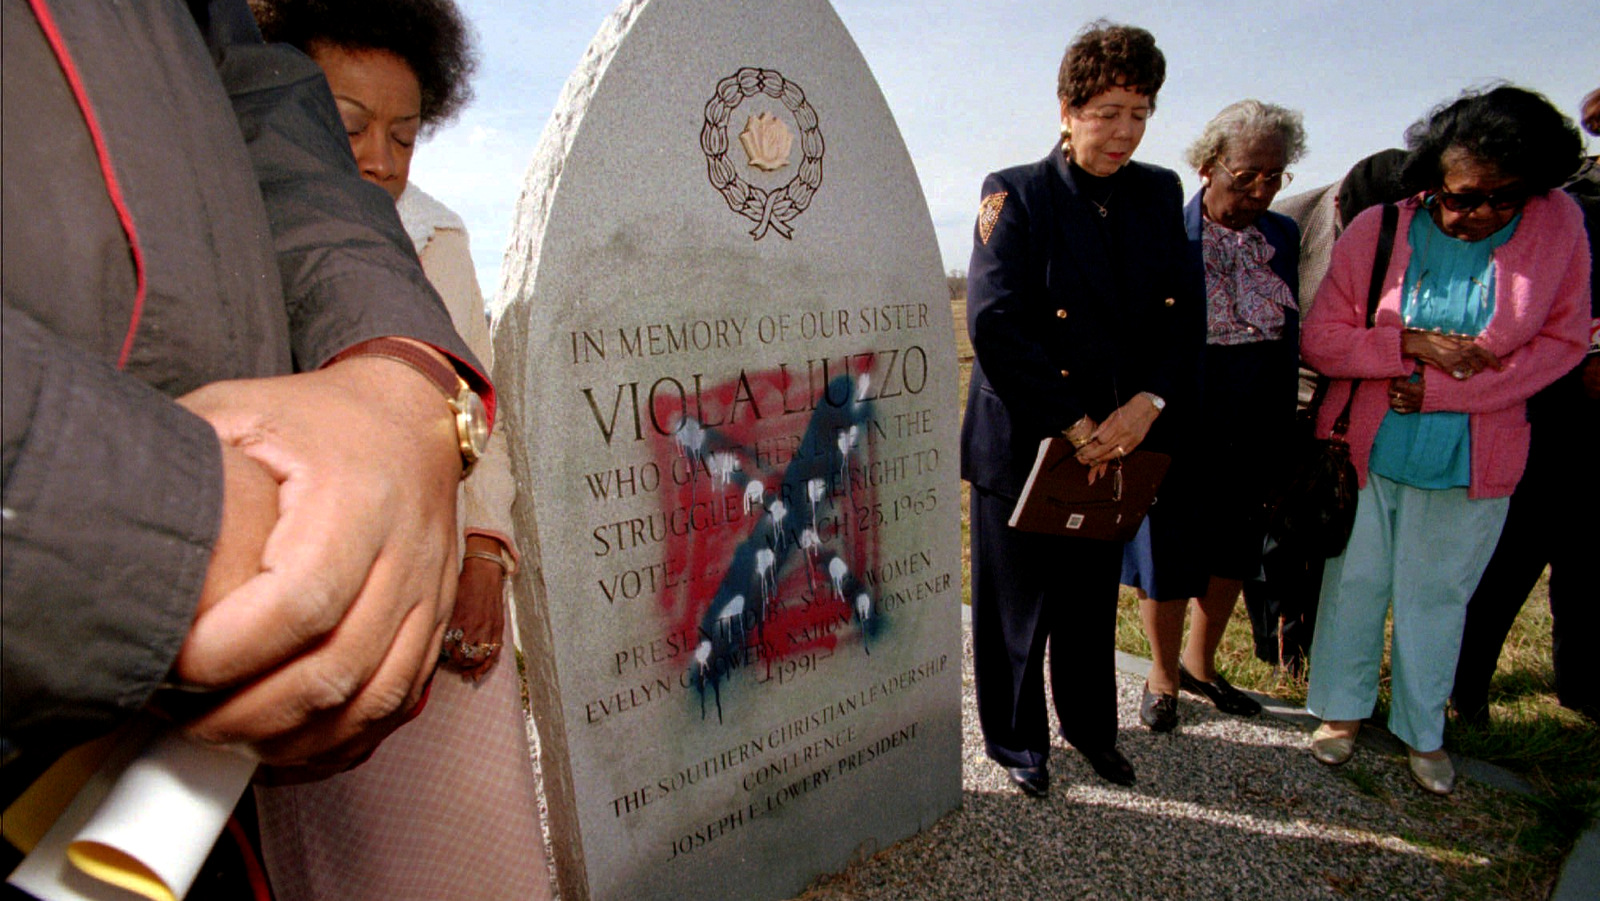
467 414
443 377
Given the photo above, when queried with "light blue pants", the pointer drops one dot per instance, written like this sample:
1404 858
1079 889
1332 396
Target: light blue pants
1424 549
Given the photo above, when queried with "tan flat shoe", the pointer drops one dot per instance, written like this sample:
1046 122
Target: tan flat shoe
1330 747
1436 774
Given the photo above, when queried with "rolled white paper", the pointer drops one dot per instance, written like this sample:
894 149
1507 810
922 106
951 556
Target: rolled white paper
141 828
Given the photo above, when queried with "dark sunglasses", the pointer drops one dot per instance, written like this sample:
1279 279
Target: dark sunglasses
1500 201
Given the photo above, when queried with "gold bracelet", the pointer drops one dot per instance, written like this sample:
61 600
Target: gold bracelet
505 564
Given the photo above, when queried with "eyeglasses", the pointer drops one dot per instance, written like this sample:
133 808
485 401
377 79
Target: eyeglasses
1500 201
1246 179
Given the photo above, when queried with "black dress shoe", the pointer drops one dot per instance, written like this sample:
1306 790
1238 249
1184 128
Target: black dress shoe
1227 698
1159 712
1033 780
1110 764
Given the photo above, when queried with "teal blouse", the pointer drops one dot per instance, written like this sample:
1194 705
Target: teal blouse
1449 287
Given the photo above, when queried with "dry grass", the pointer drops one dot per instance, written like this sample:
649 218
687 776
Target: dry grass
1530 733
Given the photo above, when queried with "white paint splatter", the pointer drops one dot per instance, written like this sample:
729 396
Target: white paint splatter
811 543
733 611
765 559
816 490
864 613
848 438
723 466
778 511
691 437
837 570
847 443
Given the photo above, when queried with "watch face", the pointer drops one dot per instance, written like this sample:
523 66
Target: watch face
472 424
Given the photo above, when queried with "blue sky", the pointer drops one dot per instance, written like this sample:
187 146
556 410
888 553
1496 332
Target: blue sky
972 84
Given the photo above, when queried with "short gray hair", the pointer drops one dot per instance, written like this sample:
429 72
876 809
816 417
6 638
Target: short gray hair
1248 118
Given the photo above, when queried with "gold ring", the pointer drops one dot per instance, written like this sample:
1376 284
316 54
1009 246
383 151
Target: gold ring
473 650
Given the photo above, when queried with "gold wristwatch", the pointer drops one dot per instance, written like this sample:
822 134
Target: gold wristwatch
466 407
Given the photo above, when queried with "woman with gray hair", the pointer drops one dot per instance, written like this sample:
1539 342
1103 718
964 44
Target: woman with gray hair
1250 257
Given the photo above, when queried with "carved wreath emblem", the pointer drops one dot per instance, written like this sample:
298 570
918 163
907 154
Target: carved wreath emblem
768 144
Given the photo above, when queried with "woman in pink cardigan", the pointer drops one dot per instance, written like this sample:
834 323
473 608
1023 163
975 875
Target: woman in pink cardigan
1484 302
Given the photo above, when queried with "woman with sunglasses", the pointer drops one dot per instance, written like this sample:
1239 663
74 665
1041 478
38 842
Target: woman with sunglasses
1251 262
1484 302
1549 525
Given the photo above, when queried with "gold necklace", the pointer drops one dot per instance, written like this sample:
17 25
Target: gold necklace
1101 206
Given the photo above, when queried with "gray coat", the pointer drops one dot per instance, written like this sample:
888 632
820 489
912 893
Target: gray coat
263 253
1317 213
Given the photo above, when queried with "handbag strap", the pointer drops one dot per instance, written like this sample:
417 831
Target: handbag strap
1380 268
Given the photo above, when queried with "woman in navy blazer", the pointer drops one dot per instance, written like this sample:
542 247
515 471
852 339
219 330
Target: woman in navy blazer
1250 260
1086 320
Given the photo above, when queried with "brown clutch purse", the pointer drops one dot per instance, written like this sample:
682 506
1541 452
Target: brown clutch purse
1058 499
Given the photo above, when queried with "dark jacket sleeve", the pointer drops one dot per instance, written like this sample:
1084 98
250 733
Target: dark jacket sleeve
112 502
1006 297
1176 370
349 271
112 492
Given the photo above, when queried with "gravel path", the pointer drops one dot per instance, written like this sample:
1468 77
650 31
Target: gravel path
1225 808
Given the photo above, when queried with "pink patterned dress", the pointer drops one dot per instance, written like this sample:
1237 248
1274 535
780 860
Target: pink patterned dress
447 808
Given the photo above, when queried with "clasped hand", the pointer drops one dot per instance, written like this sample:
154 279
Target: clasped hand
322 638
474 639
1456 355
1405 395
1117 437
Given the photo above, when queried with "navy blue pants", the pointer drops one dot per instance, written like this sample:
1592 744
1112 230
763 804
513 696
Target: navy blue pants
1030 592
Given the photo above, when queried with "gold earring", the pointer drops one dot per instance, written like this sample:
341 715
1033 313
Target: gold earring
1066 138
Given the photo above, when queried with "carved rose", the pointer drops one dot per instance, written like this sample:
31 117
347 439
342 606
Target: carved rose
767 142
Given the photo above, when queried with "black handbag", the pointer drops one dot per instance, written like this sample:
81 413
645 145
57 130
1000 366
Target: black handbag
1315 511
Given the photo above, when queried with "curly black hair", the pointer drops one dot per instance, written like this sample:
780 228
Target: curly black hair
1589 109
431 36
1516 130
1105 55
